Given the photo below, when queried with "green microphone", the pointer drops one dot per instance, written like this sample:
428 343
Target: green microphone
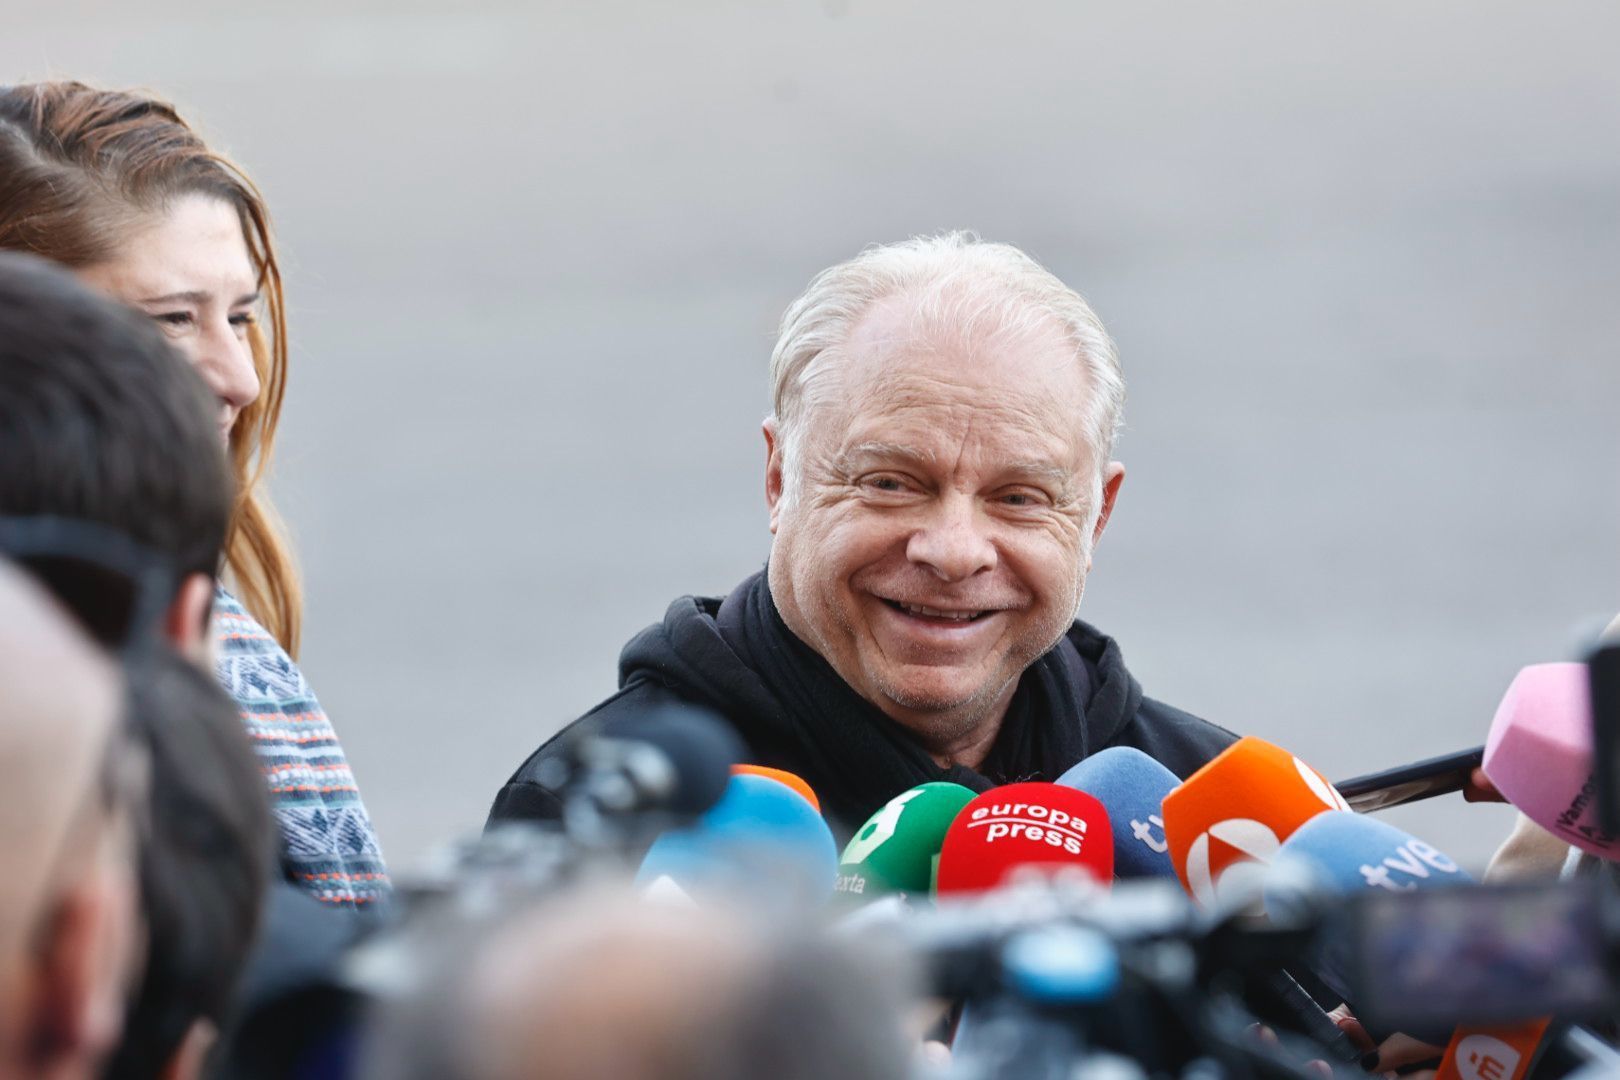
895 851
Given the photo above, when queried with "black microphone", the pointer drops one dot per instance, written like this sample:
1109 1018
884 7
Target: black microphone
639 775
1603 682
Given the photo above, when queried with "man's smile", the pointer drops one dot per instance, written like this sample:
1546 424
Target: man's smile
923 612
958 629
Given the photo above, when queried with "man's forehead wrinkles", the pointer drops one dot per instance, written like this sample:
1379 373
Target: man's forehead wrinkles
880 448
913 388
925 423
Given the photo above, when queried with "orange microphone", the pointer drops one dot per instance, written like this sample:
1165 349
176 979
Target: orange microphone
1227 820
1500 1053
781 776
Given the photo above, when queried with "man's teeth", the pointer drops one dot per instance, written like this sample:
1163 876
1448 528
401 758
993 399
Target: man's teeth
959 616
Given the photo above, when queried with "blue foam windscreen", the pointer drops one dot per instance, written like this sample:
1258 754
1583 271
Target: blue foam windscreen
761 839
1132 787
1344 852
1339 852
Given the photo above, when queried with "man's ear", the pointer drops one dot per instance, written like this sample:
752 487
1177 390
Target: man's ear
185 623
773 468
82 995
1113 477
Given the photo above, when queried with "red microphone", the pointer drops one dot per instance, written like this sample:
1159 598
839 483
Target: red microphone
1025 829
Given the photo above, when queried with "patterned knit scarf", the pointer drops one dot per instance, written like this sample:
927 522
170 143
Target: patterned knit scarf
327 843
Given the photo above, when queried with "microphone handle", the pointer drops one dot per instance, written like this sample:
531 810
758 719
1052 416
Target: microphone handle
1283 991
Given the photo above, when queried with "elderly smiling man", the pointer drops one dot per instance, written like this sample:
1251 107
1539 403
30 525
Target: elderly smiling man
938 470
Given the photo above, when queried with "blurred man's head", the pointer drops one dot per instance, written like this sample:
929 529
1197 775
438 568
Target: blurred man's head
604 985
70 785
100 421
938 473
204 866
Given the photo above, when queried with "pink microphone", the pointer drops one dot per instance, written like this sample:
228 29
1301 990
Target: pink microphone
1539 754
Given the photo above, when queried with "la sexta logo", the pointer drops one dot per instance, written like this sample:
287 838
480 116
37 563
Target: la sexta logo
879 829
1030 822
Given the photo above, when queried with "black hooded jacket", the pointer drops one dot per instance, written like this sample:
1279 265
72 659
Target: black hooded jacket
792 710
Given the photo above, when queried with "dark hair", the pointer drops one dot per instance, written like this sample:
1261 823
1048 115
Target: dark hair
205 860
102 421
79 166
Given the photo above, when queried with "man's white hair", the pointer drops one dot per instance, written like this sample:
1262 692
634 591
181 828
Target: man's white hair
960 284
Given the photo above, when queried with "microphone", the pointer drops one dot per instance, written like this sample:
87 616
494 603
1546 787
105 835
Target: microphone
781 776
1344 853
1603 680
895 851
1539 755
676 759
1131 786
1228 820
762 839
1032 828
622 783
1493 1053
1353 854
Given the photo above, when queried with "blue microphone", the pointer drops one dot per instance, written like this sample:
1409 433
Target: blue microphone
1132 787
762 839
1346 852
1343 853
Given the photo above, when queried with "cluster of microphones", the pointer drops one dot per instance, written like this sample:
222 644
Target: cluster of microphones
1121 920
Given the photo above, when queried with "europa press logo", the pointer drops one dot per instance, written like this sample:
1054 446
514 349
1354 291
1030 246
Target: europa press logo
1033 822
1029 829
1227 861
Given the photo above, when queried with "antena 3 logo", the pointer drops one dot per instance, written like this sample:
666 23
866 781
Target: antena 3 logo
1229 859
1320 787
1030 822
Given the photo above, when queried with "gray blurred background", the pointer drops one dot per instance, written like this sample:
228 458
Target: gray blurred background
1362 263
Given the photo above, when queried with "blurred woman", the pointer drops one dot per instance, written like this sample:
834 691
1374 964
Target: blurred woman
116 186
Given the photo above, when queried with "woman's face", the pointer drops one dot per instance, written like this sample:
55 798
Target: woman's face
188 268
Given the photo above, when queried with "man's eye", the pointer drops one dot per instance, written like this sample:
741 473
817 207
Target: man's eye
887 483
1021 499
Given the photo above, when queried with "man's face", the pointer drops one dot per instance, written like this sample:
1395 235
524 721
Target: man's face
947 506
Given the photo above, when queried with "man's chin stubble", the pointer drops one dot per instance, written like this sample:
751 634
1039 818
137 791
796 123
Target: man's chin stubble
939 720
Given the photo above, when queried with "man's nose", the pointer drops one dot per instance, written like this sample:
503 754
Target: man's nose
955 540
227 367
